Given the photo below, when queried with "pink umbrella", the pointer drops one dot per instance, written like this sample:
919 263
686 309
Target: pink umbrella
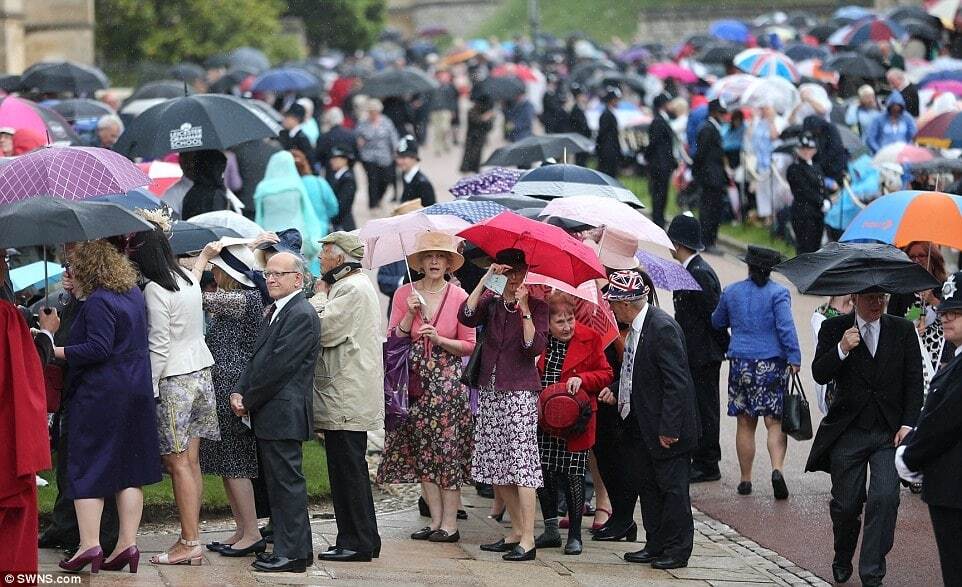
674 71
902 153
18 113
391 239
589 310
610 213
950 86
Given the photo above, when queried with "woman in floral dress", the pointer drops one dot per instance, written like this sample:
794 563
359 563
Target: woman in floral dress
433 445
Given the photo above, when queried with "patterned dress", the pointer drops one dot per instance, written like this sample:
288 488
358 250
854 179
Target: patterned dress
506 439
555 456
231 332
756 387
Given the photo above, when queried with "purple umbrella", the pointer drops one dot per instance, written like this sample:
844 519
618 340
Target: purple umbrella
71 173
497 180
667 274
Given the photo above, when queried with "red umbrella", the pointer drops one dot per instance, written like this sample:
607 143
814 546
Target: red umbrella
589 309
522 72
548 249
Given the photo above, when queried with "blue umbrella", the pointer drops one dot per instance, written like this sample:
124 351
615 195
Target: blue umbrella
285 79
472 212
32 275
852 12
729 30
136 198
938 76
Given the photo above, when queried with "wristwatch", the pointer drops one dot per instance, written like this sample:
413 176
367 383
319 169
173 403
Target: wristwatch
526 316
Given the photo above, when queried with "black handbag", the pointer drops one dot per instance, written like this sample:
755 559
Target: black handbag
471 373
796 415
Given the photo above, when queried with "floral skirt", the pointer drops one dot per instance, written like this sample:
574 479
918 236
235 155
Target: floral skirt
434 443
756 387
186 410
506 438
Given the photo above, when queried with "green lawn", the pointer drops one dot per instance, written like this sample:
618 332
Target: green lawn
159 497
746 233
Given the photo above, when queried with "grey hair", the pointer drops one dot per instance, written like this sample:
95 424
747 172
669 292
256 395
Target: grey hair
334 116
110 120
374 104
298 262
337 250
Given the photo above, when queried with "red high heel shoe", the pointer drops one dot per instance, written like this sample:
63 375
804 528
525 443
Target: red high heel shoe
595 525
130 556
92 556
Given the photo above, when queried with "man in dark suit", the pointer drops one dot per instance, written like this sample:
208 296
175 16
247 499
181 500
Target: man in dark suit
292 137
655 389
899 81
416 185
706 345
342 181
577 121
934 448
275 391
708 168
876 364
661 160
608 145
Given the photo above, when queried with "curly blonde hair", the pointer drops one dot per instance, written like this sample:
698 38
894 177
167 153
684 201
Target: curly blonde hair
98 264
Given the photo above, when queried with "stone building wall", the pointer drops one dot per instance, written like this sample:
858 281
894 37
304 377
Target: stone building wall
34 30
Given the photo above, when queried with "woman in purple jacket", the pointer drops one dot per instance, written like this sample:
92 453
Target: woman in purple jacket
506 430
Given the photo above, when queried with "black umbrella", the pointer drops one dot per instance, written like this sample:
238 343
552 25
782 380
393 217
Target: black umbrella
186 72
922 29
540 148
186 237
398 82
582 72
81 108
801 52
47 221
902 14
9 83
227 82
194 123
845 268
500 88
823 31
561 181
217 61
631 80
855 65
63 76
249 58
510 201
720 53
165 88
563 223
57 126
937 165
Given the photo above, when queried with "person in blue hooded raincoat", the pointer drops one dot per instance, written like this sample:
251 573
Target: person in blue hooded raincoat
895 125
281 201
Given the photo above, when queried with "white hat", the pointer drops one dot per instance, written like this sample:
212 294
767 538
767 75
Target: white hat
237 260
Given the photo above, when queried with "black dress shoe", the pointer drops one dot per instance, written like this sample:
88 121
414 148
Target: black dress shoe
281 564
462 515
642 556
610 534
423 534
440 535
668 563
699 476
343 555
573 545
778 485
257 547
548 542
499 546
744 488
217 546
841 572
519 554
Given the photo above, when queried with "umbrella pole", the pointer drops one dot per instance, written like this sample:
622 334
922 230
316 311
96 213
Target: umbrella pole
45 277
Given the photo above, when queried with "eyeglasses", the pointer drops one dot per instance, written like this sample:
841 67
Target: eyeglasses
950 316
268 275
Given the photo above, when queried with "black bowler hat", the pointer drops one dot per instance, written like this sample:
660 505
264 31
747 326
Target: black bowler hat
685 230
660 100
512 257
297 111
611 93
761 257
951 293
807 141
407 147
342 152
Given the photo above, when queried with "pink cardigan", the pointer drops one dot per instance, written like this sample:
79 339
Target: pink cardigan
447 322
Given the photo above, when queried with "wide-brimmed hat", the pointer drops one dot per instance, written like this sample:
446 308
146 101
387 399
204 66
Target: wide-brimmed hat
437 242
625 286
237 260
408 206
562 414
349 243
761 257
685 230
616 250
512 257
951 293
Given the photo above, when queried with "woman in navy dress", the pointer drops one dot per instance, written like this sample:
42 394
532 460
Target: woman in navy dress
111 414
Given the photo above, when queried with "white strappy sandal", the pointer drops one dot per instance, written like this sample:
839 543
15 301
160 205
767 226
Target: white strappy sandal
194 558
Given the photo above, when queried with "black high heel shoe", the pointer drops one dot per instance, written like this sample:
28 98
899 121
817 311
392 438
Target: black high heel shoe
610 535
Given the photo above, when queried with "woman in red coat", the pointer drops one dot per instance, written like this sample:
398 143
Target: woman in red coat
575 357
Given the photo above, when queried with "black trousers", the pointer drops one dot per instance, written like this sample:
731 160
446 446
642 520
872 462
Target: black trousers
662 485
379 178
609 453
808 232
351 491
658 181
706 377
947 524
344 220
859 454
287 490
710 213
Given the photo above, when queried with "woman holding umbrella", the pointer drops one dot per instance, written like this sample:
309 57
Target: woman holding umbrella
505 438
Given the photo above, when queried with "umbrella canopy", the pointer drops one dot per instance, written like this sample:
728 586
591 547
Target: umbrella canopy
801 52
63 76
230 220
845 268
903 217
767 63
560 181
72 173
950 86
162 175
497 180
548 249
248 58
187 237
901 153
286 79
46 221
20 113
730 30
609 213
266 109
665 274
388 240
538 148
673 71
132 110
165 88
589 309
509 201
10 83
522 72
468 211
855 65
194 123
78 108
921 30
186 72
813 69
398 82
937 165
132 200
868 30
35 275
501 88
719 54
822 32
944 131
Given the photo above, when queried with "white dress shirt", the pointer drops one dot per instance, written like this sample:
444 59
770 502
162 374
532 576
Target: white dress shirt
279 304
410 174
872 342
684 264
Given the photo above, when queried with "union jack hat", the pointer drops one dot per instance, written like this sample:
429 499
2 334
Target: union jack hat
625 286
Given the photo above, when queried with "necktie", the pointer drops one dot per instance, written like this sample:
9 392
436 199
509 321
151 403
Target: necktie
269 313
627 366
868 335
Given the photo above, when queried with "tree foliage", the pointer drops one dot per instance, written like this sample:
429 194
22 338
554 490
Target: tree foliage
339 24
171 31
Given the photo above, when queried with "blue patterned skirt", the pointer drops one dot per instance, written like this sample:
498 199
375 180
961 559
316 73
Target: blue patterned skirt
756 387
